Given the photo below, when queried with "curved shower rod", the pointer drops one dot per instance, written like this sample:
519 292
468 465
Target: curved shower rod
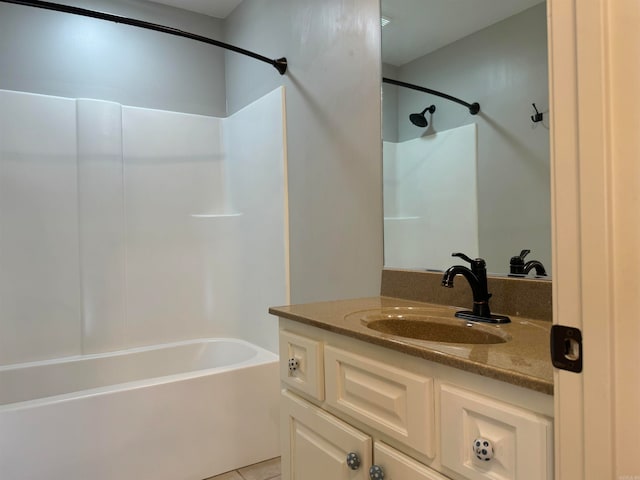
474 108
279 64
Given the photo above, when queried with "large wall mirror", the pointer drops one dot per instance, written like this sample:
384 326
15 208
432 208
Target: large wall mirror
478 184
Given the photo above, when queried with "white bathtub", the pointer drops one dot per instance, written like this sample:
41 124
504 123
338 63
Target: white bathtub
180 411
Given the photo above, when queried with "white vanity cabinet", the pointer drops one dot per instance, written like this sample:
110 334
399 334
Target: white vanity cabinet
414 419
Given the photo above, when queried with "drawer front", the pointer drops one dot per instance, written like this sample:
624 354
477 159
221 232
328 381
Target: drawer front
393 401
518 442
301 365
396 465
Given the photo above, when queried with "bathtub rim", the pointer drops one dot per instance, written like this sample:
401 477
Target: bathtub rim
262 356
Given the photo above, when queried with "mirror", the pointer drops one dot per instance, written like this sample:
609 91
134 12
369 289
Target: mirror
477 184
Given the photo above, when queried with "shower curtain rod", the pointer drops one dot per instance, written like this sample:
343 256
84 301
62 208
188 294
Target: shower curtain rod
474 108
280 64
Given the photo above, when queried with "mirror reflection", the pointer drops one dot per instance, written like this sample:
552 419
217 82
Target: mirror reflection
455 181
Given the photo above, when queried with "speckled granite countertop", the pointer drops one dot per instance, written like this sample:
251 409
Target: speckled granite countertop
522 360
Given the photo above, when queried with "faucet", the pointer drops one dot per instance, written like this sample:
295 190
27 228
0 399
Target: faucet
518 267
476 276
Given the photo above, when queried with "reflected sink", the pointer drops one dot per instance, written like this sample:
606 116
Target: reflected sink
433 325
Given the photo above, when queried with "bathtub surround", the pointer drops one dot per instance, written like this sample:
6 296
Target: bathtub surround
122 226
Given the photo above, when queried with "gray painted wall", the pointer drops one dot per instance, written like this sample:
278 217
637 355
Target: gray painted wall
504 68
333 133
55 53
390 122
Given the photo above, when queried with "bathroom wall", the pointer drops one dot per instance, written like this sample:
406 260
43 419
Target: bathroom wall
504 68
333 133
122 226
66 55
390 122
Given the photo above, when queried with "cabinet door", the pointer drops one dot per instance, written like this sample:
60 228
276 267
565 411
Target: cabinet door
315 444
397 466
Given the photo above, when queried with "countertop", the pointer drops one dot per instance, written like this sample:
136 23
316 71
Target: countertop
522 360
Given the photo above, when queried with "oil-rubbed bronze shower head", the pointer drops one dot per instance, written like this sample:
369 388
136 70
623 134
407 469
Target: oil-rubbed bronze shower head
419 119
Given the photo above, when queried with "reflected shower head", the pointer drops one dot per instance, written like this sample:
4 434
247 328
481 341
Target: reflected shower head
419 120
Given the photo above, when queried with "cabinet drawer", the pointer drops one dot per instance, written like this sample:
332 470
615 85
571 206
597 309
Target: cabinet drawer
301 365
393 401
397 466
519 442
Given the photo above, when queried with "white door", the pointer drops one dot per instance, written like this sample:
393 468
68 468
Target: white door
315 444
594 77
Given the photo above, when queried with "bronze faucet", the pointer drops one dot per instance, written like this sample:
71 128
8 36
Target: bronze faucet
476 276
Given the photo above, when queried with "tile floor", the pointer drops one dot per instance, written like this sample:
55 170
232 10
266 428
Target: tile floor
267 470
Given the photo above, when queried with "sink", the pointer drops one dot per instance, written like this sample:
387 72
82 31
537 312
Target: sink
428 324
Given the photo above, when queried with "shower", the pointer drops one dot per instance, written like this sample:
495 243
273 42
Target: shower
419 119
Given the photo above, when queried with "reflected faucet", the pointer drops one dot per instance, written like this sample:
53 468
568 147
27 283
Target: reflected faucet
476 276
518 267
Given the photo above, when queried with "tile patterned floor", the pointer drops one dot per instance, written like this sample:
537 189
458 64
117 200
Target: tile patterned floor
267 470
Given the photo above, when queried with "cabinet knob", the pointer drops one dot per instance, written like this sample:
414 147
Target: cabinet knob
293 364
483 449
376 473
353 460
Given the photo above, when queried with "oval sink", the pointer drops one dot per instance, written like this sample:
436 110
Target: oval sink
437 330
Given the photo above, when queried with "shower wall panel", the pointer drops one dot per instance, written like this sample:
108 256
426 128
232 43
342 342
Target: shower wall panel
101 222
39 263
122 226
257 166
431 199
174 168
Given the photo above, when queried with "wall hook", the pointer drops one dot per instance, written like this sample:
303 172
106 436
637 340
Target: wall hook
538 116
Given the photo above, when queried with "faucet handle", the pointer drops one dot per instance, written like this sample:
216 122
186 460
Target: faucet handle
462 256
475 263
516 264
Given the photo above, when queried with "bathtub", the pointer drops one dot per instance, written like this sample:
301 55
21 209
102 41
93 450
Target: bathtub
179 411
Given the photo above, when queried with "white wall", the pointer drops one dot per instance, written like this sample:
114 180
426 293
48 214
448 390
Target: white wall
122 226
333 133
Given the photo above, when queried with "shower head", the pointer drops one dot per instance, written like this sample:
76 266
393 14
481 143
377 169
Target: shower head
419 120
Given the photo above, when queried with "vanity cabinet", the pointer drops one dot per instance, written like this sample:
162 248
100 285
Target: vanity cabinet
412 418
